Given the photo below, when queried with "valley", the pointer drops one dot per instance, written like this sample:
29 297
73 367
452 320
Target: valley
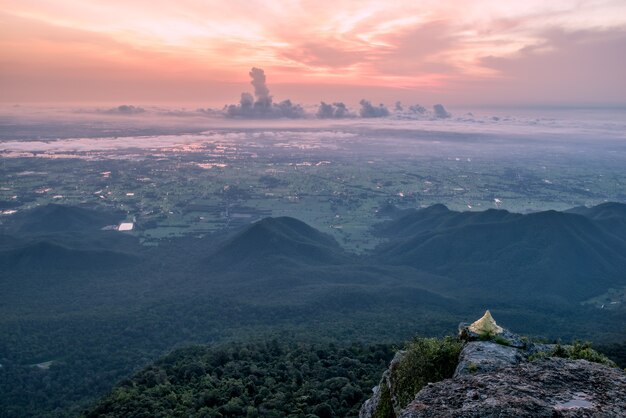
338 178
114 251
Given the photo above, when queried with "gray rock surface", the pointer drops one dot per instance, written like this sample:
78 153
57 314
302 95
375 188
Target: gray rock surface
486 356
552 387
370 406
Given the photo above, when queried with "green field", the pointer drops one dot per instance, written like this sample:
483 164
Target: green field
336 181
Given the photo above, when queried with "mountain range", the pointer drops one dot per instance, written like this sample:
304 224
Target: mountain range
98 304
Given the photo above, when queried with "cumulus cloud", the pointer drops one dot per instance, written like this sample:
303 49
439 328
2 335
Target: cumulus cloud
410 112
190 113
333 111
417 109
287 109
441 112
262 93
261 106
369 111
124 110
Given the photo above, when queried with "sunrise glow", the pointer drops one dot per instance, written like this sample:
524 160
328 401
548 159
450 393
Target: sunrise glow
192 50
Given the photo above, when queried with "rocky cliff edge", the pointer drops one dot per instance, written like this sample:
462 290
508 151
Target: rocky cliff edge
500 374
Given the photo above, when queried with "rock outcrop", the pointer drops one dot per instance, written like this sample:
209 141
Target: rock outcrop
500 374
486 356
551 387
383 393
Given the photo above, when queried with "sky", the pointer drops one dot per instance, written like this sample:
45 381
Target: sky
480 52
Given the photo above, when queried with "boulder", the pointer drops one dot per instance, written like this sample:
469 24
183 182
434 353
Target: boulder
552 387
486 356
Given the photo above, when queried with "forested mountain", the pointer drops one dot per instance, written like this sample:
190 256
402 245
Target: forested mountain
551 255
269 378
65 238
278 240
610 215
275 379
42 255
54 218
83 307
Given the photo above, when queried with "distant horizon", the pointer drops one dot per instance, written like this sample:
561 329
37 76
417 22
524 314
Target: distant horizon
284 91
192 105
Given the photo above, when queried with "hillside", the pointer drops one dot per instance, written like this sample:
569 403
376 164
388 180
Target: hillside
546 254
439 217
268 378
42 255
278 240
53 218
255 379
609 210
611 215
98 304
65 238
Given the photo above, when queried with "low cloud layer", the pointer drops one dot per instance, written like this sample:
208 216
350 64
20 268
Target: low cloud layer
124 110
333 111
261 106
417 109
441 112
370 111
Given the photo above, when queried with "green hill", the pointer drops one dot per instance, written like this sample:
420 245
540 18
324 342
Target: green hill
497 254
63 303
278 240
42 255
53 218
271 379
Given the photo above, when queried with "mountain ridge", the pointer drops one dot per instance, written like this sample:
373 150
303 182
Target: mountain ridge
543 250
280 239
44 254
55 218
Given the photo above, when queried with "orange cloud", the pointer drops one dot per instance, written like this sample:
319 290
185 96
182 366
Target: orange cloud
77 50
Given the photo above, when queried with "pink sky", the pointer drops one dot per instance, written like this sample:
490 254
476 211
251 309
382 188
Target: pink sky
199 51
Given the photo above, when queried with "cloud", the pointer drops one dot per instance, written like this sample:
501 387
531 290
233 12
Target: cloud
418 51
441 112
262 93
190 113
468 51
261 106
369 111
412 112
334 54
416 108
565 66
124 110
419 112
333 111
